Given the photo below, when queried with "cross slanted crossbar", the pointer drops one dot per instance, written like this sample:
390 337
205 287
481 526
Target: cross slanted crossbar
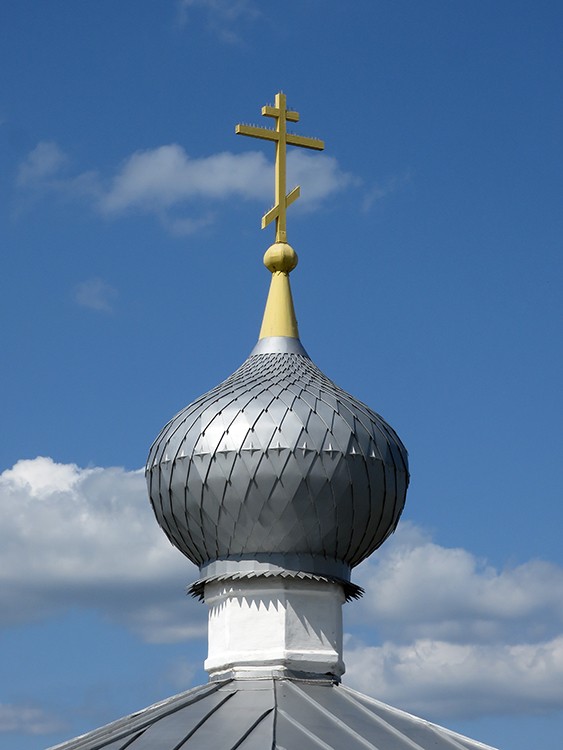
282 139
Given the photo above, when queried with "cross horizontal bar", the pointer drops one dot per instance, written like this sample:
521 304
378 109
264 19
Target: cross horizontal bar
299 140
256 132
290 115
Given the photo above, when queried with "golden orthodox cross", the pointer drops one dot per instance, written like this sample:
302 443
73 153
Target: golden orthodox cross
282 139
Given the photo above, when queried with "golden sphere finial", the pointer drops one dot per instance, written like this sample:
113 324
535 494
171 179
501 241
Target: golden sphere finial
280 257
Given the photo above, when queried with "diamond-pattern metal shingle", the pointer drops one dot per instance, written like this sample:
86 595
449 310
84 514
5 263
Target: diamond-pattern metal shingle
277 460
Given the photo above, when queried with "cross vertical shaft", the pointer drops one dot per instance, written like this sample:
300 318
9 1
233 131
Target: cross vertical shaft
281 169
282 139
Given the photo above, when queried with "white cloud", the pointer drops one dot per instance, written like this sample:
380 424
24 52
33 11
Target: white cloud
439 632
166 176
435 678
223 17
87 537
27 719
172 186
418 589
181 227
44 162
460 638
318 175
95 294
47 171
41 477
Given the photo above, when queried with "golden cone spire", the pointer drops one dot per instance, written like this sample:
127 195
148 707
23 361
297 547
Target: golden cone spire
280 258
279 315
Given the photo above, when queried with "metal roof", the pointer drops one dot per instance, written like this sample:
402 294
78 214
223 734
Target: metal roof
279 466
271 714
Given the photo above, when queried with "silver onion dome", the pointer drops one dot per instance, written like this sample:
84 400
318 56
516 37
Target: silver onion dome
277 469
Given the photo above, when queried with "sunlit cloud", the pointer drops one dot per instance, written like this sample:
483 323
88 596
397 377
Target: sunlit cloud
95 294
41 164
73 537
167 176
226 19
185 194
456 635
438 632
435 678
416 589
27 719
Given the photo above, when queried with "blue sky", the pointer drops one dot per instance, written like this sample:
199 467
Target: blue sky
429 234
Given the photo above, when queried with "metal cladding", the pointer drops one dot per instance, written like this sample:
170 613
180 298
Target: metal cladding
277 468
275 714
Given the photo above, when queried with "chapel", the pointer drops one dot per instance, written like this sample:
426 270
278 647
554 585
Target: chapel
276 484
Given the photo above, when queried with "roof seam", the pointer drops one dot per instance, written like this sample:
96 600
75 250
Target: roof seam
378 720
138 721
325 712
305 731
202 721
252 727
